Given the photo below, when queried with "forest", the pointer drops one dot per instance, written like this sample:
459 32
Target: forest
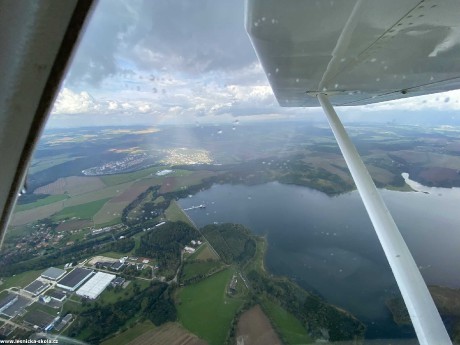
164 244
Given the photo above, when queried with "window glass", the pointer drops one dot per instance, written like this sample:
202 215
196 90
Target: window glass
171 200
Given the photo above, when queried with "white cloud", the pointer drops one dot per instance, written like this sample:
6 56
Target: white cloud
69 102
439 101
144 108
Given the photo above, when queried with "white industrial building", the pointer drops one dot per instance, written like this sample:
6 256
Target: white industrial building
94 287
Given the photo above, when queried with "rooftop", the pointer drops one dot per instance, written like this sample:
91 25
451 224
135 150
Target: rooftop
7 300
35 287
75 278
53 273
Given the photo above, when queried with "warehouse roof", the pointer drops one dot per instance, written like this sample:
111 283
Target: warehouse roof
93 287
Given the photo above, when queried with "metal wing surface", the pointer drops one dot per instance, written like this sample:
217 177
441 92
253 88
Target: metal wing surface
359 52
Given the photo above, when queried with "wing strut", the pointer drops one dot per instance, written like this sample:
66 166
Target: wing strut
422 310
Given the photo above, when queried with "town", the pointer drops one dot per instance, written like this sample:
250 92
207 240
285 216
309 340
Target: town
45 304
130 162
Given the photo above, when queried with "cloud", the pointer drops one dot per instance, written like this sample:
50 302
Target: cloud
124 37
172 60
439 101
69 102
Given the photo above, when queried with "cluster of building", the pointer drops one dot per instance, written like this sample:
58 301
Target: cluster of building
184 156
116 167
190 249
106 229
52 288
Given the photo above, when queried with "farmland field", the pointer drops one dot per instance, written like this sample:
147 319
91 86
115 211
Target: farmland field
204 253
73 225
174 213
83 211
112 180
200 268
73 185
132 333
21 279
42 202
254 328
110 212
287 325
107 192
169 333
206 310
37 213
39 165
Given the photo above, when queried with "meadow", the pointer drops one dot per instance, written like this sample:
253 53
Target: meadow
205 309
289 328
201 268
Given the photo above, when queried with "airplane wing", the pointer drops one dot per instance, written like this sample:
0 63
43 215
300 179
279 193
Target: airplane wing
36 42
360 52
353 52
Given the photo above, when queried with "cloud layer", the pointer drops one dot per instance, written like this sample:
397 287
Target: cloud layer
179 60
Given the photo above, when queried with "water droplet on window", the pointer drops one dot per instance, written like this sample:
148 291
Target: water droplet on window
373 60
219 131
377 79
273 21
324 89
249 198
256 24
233 128
446 100
263 19
297 80
236 122
343 60
385 67
431 78
277 70
404 77
336 86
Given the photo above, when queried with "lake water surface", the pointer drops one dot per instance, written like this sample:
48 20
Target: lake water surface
328 245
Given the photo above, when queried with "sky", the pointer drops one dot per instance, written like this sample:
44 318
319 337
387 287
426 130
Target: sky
181 61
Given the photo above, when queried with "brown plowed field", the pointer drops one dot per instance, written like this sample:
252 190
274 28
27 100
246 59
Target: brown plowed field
171 334
73 225
168 185
254 328
130 194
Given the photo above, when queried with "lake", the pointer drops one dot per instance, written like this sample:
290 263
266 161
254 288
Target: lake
328 245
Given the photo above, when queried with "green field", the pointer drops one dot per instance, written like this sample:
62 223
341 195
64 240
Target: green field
200 268
174 213
203 253
110 296
21 279
206 310
130 334
83 211
290 329
42 202
107 192
44 308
